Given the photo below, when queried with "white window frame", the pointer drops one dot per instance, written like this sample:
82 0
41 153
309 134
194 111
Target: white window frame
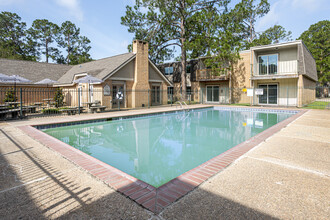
277 54
168 68
267 84
212 94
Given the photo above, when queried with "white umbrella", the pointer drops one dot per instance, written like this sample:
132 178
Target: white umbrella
88 79
18 79
4 78
46 82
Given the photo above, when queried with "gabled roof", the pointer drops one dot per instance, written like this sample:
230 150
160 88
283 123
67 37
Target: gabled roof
98 68
34 71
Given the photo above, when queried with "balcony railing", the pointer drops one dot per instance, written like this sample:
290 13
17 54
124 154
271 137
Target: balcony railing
211 74
283 67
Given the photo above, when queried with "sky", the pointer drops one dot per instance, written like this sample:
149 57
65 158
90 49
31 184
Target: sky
99 20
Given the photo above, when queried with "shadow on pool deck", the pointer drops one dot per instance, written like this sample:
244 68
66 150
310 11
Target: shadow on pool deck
35 188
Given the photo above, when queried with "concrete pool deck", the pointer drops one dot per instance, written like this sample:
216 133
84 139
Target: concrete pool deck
287 176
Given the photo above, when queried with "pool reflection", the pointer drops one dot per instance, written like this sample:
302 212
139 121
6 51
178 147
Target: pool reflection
159 148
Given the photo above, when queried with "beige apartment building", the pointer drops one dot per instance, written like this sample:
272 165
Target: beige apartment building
282 74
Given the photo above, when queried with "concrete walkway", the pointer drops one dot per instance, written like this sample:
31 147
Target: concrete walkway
286 177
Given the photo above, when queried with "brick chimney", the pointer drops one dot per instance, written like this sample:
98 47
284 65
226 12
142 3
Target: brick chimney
141 73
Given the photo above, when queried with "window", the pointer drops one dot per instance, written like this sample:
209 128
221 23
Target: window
188 69
169 91
169 70
267 64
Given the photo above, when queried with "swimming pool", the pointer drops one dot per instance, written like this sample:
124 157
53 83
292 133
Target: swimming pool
159 148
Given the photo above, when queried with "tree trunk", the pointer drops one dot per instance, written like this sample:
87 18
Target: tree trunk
183 60
67 59
46 51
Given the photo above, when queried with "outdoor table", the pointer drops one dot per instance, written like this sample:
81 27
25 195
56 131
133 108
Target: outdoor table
14 104
48 102
89 104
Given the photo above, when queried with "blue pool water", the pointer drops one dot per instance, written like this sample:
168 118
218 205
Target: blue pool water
156 149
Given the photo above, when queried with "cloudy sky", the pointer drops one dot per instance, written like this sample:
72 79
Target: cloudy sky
99 20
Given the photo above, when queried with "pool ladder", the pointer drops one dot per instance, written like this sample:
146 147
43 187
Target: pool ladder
183 105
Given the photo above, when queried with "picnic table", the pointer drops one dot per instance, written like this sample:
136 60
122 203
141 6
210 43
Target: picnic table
98 108
14 104
13 112
48 101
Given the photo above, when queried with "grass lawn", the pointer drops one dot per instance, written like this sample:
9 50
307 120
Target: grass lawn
318 105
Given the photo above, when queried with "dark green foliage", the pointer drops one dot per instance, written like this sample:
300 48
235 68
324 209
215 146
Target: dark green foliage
248 12
51 111
15 43
45 33
58 97
42 38
317 40
10 96
76 46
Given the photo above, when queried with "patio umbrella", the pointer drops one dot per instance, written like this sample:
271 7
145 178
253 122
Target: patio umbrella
46 82
4 78
90 80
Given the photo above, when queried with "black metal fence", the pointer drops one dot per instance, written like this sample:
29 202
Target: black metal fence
36 102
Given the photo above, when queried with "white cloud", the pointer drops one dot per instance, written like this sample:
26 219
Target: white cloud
269 19
73 6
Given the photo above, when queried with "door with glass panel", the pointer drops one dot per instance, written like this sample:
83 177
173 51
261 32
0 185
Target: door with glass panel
270 94
155 95
268 64
212 93
118 95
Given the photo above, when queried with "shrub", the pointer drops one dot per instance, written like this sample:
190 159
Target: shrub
10 96
59 97
51 111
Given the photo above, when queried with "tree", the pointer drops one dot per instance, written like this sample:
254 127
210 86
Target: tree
272 35
249 11
70 37
15 43
76 46
44 34
317 40
166 24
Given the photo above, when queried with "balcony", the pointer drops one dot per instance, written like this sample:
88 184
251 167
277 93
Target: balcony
211 74
282 68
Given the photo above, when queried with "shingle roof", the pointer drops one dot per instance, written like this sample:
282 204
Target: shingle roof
34 71
98 68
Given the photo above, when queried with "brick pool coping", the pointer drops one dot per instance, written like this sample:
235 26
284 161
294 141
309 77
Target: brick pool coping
151 198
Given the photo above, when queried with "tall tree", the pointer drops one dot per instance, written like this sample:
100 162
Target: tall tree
272 35
166 24
76 46
317 40
249 11
15 43
45 33
69 40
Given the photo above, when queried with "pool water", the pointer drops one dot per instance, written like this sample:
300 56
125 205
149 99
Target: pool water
156 149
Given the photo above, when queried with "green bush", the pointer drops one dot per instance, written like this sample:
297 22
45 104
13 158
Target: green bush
59 97
10 96
51 111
